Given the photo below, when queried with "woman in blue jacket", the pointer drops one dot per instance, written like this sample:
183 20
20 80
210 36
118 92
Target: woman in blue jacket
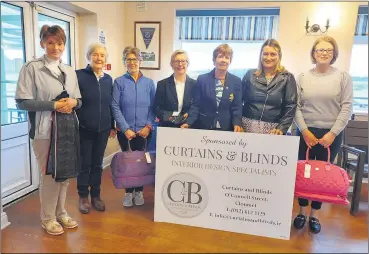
133 111
96 124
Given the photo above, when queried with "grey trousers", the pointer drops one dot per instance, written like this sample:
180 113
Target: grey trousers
52 194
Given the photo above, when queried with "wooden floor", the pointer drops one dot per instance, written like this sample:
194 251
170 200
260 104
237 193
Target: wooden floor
132 230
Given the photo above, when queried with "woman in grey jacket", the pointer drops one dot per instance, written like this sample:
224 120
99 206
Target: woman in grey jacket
269 94
40 82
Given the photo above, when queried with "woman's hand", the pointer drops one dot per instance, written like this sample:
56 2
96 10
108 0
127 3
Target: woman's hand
237 128
309 138
60 105
144 132
68 107
130 134
185 126
112 134
276 132
327 139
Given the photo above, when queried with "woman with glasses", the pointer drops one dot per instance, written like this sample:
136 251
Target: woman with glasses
133 111
174 94
323 109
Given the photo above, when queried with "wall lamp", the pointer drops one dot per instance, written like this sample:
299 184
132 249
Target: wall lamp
314 29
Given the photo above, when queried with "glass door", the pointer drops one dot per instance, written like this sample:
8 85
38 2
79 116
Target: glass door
20 28
15 51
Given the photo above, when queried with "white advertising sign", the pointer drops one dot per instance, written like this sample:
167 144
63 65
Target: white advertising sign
237 182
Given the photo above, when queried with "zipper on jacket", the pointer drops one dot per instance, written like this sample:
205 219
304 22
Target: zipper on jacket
135 105
98 82
262 113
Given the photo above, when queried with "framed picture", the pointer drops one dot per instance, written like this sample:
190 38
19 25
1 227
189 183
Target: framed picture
147 39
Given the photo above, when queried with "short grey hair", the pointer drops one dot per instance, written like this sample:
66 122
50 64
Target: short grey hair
92 48
132 50
178 52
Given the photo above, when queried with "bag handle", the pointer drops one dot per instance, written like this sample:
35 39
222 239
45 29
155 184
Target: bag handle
329 155
129 145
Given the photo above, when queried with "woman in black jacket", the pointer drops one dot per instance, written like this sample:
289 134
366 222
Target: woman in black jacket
269 94
173 95
96 125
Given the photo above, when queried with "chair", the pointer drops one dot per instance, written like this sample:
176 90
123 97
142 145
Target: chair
355 142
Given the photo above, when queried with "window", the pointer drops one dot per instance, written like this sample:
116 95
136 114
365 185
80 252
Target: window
359 63
13 56
199 32
48 16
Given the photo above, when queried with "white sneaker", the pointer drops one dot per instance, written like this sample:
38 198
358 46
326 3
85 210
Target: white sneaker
139 199
127 201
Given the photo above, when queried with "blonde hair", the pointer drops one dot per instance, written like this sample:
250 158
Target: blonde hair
132 50
178 52
93 47
223 49
274 44
330 40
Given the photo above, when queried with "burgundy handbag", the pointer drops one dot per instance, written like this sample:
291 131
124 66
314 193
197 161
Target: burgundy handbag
321 181
133 168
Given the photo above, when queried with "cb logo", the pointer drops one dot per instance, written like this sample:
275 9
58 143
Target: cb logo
185 195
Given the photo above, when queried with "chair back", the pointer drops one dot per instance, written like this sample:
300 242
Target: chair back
356 135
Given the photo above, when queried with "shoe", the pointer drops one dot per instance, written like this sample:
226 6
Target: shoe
299 221
98 204
52 227
127 201
138 198
314 225
67 222
84 205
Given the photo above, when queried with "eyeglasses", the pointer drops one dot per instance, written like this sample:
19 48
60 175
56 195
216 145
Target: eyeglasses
177 62
132 60
321 51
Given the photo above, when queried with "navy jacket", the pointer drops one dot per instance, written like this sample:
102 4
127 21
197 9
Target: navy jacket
166 99
95 113
204 109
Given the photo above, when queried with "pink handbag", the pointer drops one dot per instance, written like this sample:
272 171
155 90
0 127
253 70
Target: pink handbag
321 181
132 169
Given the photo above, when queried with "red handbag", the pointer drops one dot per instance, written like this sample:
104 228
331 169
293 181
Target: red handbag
321 181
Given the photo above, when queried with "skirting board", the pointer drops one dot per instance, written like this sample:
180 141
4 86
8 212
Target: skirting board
4 220
107 159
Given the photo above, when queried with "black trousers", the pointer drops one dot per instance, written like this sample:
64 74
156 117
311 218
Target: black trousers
93 145
317 152
137 144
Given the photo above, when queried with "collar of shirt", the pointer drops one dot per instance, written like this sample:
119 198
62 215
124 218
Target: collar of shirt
99 76
53 65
